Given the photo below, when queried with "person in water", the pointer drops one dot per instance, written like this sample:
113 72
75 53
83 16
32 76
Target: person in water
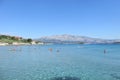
50 49
104 51
57 51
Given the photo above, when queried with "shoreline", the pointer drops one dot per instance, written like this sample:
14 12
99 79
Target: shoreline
20 44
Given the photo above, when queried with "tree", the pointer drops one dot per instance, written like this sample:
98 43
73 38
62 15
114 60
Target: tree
13 38
29 40
81 42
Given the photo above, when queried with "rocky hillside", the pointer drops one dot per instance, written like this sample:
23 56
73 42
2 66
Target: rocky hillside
75 39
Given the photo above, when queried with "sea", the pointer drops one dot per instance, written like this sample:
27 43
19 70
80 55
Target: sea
60 62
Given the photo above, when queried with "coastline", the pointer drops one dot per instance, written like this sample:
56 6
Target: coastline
19 44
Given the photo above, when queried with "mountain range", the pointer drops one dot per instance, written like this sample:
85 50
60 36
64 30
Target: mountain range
71 39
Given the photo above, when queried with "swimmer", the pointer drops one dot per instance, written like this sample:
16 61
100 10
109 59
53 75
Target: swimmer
12 49
50 49
57 51
104 51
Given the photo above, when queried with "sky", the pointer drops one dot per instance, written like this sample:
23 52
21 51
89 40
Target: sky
36 18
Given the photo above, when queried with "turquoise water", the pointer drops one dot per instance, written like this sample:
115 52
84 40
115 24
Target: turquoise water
62 62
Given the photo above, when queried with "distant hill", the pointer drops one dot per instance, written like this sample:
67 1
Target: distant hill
65 38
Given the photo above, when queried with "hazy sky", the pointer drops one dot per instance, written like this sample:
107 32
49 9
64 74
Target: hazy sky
36 18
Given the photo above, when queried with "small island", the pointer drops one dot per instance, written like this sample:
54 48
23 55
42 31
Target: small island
15 40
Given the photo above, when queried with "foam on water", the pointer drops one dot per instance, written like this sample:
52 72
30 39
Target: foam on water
63 62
